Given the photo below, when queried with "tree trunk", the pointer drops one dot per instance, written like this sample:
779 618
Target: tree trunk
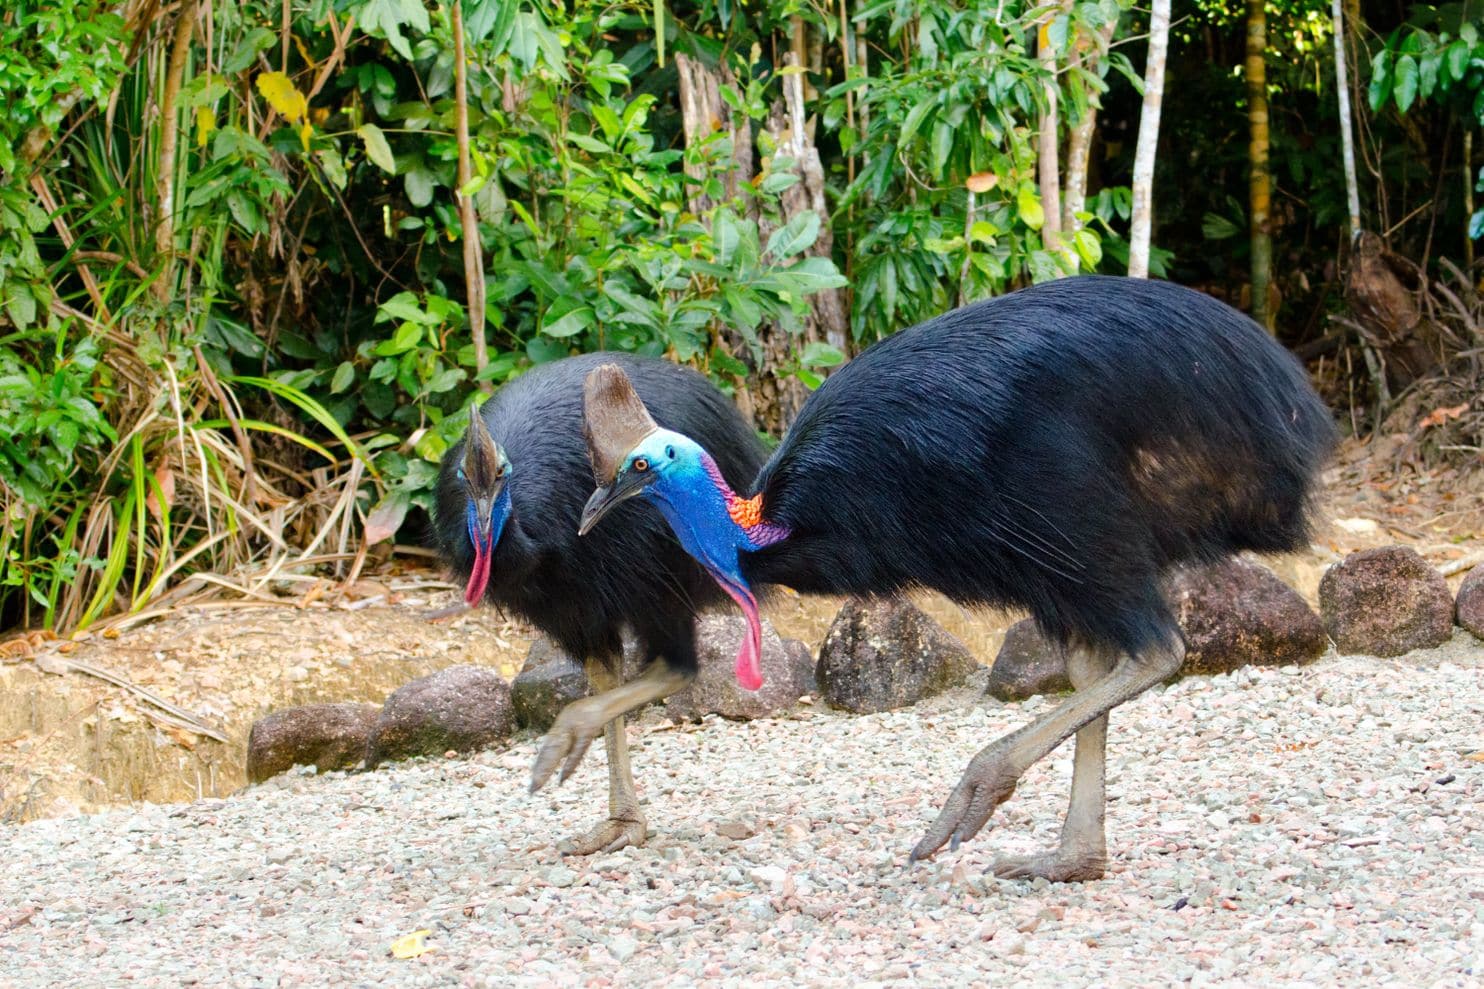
1260 184
703 113
166 173
1141 231
1048 148
828 319
1347 137
1079 136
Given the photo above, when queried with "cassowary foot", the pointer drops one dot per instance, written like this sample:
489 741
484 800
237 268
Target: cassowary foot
607 836
986 784
567 742
1060 865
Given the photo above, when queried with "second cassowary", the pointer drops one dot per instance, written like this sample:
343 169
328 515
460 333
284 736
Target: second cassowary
509 498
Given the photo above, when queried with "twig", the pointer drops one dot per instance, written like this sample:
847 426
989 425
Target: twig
1461 564
177 717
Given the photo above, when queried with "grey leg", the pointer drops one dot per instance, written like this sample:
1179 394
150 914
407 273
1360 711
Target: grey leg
992 774
579 723
1083 852
625 824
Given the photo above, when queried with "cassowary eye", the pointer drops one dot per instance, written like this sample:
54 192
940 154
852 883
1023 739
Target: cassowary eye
641 465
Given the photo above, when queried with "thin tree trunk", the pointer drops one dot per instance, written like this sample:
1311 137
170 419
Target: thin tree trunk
1468 196
165 170
1079 137
1048 148
468 220
1260 184
1347 136
1142 227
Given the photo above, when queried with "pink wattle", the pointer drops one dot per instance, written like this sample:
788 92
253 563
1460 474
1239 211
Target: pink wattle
479 577
750 654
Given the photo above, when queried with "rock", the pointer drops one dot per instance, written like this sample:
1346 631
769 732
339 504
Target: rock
786 674
887 653
1385 602
1238 613
1470 609
800 656
1027 665
1232 614
459 709
326 736
548 682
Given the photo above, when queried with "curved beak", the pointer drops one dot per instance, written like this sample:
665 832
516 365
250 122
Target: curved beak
625 486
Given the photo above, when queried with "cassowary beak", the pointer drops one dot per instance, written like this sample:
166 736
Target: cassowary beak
484 477
625 486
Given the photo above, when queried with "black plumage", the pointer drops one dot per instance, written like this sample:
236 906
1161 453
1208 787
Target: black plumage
1058 448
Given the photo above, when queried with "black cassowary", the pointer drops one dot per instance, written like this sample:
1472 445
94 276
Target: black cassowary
1061 448
509 498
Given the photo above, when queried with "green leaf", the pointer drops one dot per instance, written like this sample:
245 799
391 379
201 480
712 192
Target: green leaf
1089 248
345 376
798 234
571 324
1456 60
1380 87
820 354
406 337
1476 225
776 182
419 183
1404 90
404 306
815 275
983 232
1029 206
376 148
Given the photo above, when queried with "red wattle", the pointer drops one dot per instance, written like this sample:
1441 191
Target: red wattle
750 654
479 577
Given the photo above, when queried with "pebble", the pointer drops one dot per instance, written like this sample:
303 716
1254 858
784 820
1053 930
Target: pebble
779 848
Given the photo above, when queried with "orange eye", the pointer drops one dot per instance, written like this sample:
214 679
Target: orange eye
641 465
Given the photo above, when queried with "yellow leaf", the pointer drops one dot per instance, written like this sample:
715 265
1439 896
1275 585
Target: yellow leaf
411 945
305 133
283 96
205 124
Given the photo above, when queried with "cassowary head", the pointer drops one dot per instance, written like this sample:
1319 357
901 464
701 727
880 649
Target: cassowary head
632 456
483 471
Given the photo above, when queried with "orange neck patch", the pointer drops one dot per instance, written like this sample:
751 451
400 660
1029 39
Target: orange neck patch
746 512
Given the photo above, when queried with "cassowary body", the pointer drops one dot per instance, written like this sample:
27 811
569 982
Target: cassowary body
1061 449
509 497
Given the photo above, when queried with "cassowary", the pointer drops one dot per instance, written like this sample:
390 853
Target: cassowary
1060 448
509 497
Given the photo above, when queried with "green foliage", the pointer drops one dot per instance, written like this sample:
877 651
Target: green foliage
1437 56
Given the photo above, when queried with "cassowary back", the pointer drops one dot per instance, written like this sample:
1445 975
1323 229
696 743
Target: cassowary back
1059 448
581 591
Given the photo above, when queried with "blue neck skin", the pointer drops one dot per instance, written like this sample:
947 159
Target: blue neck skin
697 511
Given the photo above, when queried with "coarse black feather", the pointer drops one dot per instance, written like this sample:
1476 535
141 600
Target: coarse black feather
583 591
1059 448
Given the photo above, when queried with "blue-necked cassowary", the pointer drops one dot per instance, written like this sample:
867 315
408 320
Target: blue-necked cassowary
509 498
1060 448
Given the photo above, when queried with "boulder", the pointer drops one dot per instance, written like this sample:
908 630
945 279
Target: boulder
1027 665
1238 613
1232 614
1470 605
787 674
459 709
548 682
886 653
325 736
1385 602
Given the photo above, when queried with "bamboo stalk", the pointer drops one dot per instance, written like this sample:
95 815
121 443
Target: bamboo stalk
1347 137
473 249
165 173
1259 183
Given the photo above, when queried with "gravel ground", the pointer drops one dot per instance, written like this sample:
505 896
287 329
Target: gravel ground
1319 826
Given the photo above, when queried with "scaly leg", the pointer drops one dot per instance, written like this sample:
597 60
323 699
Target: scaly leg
1083 852
625 824
992 774
579 723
